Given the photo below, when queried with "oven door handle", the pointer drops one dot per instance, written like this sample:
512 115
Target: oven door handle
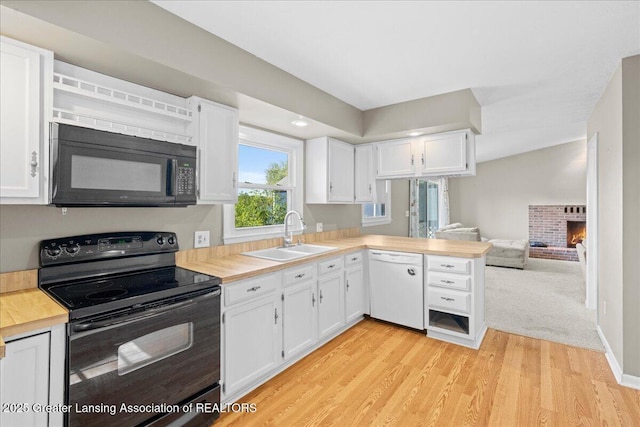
123 320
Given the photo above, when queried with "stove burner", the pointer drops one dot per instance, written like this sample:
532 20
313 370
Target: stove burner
109 294
88 287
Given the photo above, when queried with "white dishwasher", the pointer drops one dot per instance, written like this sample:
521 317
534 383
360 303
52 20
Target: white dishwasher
396 289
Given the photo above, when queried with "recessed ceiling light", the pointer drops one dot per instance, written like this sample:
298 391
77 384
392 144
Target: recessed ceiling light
415 133
300 123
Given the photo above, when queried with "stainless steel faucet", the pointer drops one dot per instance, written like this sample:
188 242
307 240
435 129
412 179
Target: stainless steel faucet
288 235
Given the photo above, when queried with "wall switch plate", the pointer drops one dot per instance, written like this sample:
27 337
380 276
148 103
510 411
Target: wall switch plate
201 239
318 227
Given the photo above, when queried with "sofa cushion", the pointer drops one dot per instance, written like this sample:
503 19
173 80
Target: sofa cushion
451 226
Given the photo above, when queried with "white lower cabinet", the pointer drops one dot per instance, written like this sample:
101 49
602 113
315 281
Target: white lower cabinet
330 304
300 318
32 376
251 333
454 299
271 321
354 286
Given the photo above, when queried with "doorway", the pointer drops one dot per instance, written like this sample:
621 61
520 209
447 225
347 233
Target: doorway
426 205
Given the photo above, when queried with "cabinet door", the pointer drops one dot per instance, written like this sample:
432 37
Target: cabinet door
341 171
364 173
20 133
24 380
445 153
299 318
217 135
330 304
396 159
354 292
251 342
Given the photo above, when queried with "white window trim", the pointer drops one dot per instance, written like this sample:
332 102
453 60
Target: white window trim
386 219
295 148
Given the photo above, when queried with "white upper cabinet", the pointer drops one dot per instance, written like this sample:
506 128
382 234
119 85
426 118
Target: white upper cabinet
329 172
444 153
25 112
396 159
449 153
215 131
365 173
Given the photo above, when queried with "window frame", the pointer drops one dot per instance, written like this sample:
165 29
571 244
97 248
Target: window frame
381 220
270 141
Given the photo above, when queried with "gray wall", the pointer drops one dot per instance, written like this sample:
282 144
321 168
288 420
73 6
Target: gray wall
497 199
22 227
615 121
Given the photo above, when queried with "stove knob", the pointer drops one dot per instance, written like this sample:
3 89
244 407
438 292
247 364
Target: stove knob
160 240
72 249
171 241
52 252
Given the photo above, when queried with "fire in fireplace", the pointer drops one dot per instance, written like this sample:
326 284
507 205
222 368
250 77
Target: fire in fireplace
576 232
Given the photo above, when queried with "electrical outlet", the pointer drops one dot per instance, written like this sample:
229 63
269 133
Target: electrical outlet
406 213
201 239
318 227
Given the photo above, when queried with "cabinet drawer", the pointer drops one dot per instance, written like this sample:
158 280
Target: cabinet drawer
354 258
449 264
249 289
448 299
453 281
299 274
330 265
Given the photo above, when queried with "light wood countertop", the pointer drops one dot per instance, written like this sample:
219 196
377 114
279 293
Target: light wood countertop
28 310
231 268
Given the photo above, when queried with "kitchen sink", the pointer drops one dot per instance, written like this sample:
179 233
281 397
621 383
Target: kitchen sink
287 254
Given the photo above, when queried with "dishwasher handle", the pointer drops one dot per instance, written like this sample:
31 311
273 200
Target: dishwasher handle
397 258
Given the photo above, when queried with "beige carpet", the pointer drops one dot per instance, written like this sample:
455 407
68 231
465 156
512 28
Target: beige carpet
546 300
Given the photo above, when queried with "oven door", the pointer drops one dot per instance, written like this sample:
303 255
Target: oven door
164 355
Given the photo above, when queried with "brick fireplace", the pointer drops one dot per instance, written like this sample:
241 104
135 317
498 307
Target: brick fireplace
559 227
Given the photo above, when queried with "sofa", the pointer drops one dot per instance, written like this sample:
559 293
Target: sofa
503 253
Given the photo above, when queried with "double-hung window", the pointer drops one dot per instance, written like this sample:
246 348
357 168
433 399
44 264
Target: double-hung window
378 213
270 182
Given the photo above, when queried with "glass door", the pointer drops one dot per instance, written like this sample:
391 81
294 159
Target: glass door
425 208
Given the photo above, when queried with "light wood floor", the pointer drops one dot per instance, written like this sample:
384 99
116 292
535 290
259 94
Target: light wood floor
379 374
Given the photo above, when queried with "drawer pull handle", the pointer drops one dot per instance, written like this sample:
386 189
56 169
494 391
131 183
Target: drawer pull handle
448 299
313 300
448 282
411 271
447 265
300 276
355 258
331 266
255 288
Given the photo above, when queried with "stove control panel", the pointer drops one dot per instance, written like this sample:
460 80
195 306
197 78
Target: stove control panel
93 247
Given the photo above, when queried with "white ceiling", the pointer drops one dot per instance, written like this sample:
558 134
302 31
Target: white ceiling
537 68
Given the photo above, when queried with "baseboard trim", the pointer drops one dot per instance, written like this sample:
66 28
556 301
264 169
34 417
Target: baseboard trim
622 378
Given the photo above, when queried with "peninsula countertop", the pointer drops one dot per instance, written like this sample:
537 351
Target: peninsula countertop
233 267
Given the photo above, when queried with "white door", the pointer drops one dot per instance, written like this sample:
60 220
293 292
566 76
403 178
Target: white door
251 342
217 153
364 173
444 153
341 171
20 132
299 318
354 292
24 380
330 304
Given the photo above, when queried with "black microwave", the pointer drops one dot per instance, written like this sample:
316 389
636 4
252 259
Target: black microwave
96 168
